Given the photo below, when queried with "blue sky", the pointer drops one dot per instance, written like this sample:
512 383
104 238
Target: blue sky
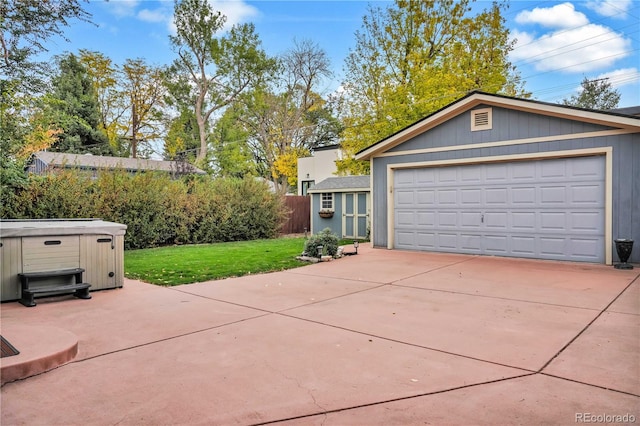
558 43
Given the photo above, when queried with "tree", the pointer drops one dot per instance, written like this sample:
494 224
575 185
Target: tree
415 57
112 100
144 85
595 94
25 25
286 117
220 69
73 108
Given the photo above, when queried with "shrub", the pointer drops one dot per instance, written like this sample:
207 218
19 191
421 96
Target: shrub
156 209
325 238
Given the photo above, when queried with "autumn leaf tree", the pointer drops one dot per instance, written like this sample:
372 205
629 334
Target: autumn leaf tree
219 68
286 116
413 58
144 85
106 78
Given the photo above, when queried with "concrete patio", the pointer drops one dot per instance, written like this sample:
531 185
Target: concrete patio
385 337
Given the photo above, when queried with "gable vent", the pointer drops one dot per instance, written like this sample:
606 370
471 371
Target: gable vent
481 119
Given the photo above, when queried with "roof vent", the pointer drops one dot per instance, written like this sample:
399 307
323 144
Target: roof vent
481 119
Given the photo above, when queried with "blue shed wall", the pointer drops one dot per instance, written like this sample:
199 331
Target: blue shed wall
513 125
335 223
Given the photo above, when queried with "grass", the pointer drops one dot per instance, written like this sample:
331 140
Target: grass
196 263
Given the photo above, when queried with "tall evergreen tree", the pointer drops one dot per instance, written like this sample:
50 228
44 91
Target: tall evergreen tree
73 108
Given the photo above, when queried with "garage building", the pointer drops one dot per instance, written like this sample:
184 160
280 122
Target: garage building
495 175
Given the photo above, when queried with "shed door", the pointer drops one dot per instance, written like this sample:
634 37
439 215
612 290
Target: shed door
544 209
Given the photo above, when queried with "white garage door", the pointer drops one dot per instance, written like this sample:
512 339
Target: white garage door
544 209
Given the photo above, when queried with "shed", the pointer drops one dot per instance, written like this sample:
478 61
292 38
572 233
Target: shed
497 175
95 245
342 204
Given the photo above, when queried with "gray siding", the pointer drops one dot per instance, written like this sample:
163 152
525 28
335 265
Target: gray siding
507 125
335 223
626 162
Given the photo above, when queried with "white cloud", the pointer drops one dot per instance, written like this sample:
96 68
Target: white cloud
157 15
123 8
610 8
622 77
559 16
236 11
574 45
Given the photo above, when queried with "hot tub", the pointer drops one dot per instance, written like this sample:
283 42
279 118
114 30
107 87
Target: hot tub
95 245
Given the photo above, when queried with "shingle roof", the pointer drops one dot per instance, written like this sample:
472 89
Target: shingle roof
62 159
342 184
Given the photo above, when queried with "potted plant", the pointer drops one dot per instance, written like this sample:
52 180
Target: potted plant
326 213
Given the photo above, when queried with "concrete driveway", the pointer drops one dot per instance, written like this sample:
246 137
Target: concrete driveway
385 337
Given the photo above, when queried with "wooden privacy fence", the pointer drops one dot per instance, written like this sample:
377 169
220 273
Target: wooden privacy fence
299 220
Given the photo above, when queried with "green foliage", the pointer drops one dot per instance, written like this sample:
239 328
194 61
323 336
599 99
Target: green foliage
156 209
595 94
25 26
73 107
219 68
413 58
325 238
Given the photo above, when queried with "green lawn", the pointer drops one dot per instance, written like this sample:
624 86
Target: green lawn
196 263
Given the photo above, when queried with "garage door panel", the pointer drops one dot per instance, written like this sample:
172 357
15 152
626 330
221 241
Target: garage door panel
405 197
447 197
523 221
447 219
471 243
405 218
585 221
497 245
426 198
554 195
426 240
447 241
522 172
549 209
446 175
471 197
425 176
553 221
470 219
587 195
426 218
523 196
496 220
496 196
585 248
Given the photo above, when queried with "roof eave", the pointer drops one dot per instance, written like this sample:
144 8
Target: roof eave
441 116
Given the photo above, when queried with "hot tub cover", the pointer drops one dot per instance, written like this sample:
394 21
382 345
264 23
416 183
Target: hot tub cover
40 227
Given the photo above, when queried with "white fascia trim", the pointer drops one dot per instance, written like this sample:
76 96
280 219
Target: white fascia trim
322 191
606 151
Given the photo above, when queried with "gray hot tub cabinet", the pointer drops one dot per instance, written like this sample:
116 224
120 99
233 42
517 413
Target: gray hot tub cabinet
95 245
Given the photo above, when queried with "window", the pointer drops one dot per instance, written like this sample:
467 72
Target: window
481 119
306 184
326 202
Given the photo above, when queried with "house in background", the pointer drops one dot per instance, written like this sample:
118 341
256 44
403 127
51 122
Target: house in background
318 167
42 162
503 176
343 205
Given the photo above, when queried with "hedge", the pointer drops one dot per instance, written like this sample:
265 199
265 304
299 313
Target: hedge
157 210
